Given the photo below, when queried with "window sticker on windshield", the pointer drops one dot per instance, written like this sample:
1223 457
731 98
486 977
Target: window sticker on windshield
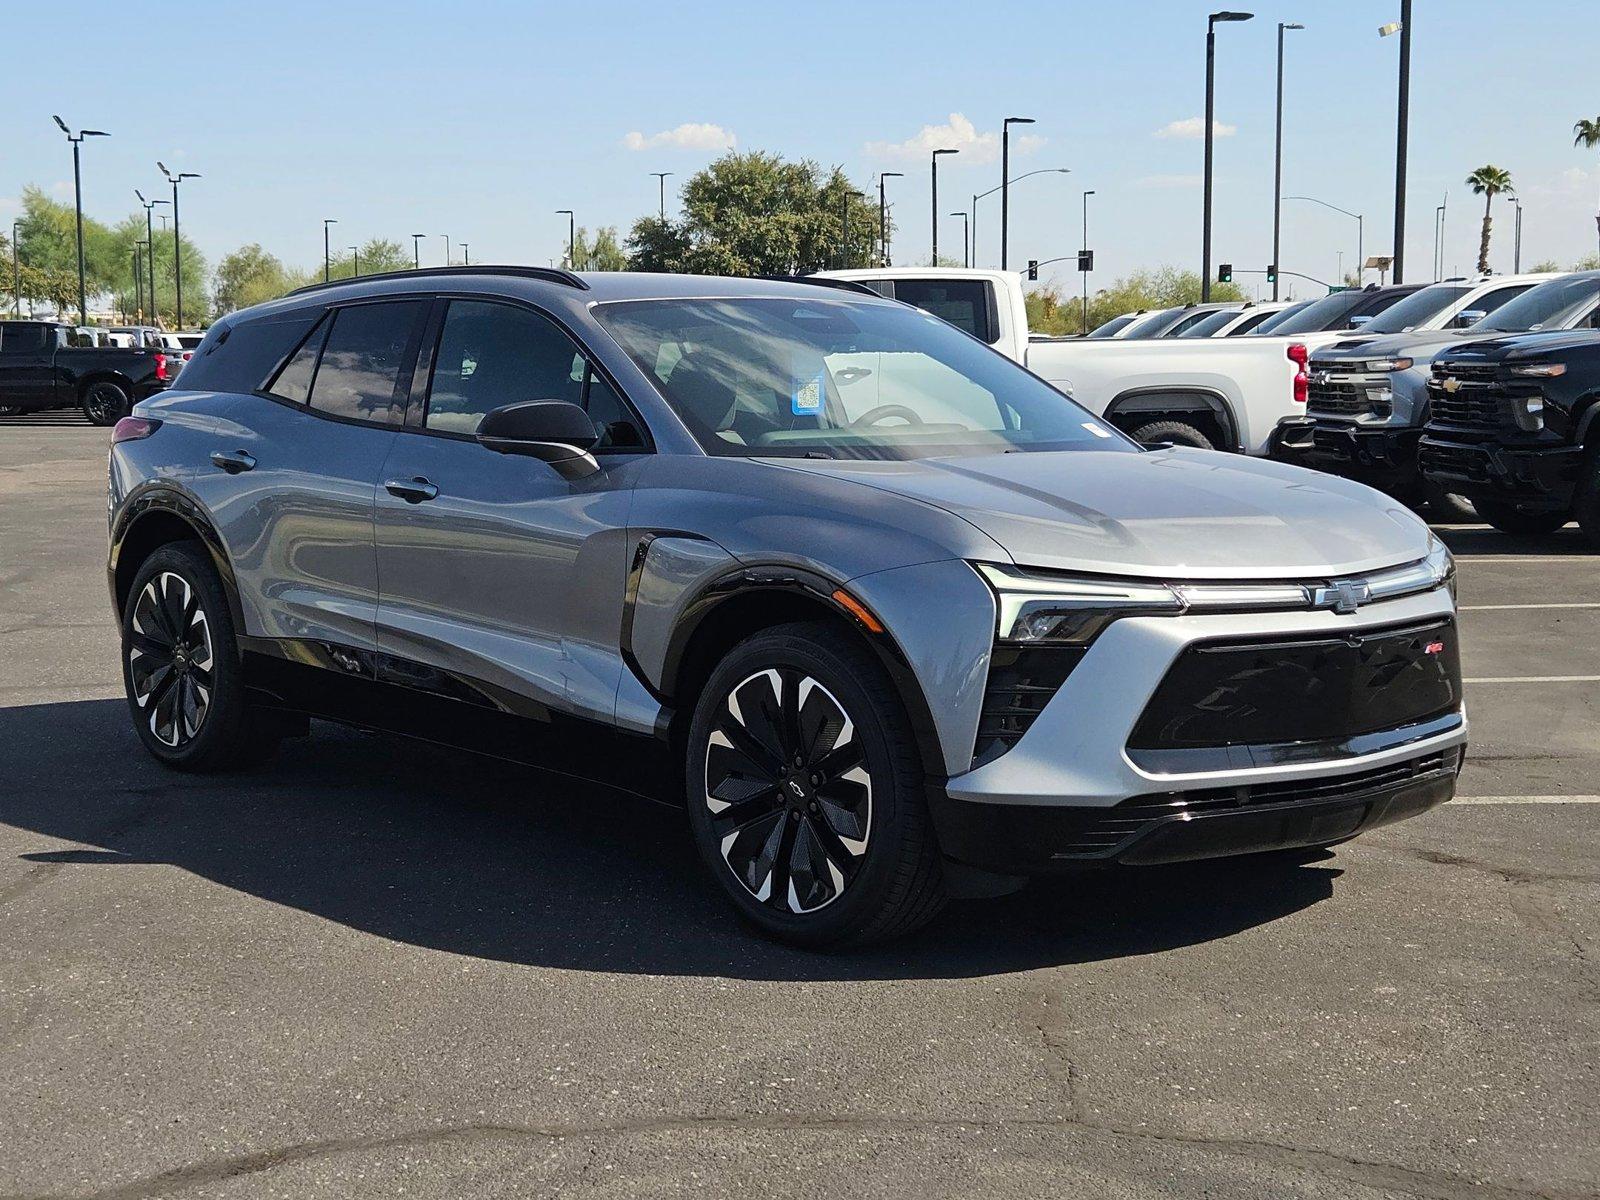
807 398
1097 430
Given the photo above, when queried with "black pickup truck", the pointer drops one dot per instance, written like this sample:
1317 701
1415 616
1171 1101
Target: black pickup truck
40 368
1514 425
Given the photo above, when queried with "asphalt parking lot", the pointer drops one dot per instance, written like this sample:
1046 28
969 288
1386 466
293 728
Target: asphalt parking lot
375 967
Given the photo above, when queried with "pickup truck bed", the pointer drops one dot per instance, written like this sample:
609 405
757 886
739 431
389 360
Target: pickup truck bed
40 369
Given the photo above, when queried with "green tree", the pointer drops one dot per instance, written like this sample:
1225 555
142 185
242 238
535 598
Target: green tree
249 276
1586 133
378 256
756 214
1589 262
1488 181
605 253
1051 311
1548 264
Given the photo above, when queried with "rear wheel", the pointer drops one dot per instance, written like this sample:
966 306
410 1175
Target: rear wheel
1508 518
1177 433
105 403
805 791
10 410
181 668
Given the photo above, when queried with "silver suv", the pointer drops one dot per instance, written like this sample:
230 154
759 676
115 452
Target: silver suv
894 618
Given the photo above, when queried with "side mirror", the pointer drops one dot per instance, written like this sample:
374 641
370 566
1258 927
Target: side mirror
554 431
1469 316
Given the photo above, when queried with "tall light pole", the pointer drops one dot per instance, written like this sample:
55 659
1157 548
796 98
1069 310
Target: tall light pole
883 215
138 284
1211 91
1277 161
177 239
1442 212
326 259
466 257
661 178
1005 183
844 224
355 261
935 158
1403 119
1361 249
446 238
77 190
16 266
1516 239
416 250
1081 270
966 230
981 195
150 249
572 237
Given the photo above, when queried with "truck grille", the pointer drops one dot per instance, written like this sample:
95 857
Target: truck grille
1336 398
1480 401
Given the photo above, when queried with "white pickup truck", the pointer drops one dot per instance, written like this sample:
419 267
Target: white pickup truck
1218 393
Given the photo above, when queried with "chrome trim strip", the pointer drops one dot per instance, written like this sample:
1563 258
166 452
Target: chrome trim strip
1210 759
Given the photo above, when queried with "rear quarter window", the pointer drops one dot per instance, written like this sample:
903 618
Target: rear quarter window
240 357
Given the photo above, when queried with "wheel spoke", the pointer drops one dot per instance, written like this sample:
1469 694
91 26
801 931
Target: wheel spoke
164 710
174 606
838 852
150 614
838 760
778 891
158 652
815 877
789 717
757 753
744 812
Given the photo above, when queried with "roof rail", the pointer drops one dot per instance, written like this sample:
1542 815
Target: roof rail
548 274
838 285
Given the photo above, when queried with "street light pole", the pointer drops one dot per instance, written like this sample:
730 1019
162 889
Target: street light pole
572 237
844 225
935 157
1211 90
1277 162
355 259
1085 274
1403 119
661 178
466 258
996 188
883 215
1361 248
150 249
446 238
1005 183
416 250
177 239
77 190
16 267
326 260
1516 254
966 229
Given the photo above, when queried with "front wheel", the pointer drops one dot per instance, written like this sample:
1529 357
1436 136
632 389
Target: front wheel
805 791
1508 518
1174 433
105 403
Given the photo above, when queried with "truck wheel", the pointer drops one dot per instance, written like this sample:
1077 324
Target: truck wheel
1178 433
1508 518
105 403
10 410
181 667
1446 507
805 791
1586 507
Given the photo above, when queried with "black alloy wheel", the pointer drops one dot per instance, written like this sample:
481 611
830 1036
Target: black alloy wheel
171 658
105 403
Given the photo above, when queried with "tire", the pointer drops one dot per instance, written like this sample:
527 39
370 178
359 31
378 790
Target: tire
1586 507
105 403
188 704
11 410
1508 518
848 861
1447 507
1179 433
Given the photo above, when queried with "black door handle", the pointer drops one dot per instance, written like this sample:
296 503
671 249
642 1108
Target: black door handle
412 491
233 461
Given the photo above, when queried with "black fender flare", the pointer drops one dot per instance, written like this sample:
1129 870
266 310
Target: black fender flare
1178 398
161 504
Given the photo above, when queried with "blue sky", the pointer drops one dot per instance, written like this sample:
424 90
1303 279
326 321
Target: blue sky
479 119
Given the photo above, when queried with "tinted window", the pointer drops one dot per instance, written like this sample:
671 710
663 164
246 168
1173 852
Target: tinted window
1329 312
1194 320
1249 323
493 354
618 428
240 357
1113 327
362 360
1554 305
1152 324
294 381
1377 302
1270 323
22 339
1489 303
962 302
1405 315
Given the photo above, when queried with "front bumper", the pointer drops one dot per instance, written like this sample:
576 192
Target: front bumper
1532 476
1383 454
1071 791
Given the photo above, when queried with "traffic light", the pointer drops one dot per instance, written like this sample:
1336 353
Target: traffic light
1272 272
1224 272
1085 260
1033 268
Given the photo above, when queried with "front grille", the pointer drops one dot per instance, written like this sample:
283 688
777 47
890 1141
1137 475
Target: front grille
1336 398
1478 372
1022 679
1480 401
1322 687
1135 815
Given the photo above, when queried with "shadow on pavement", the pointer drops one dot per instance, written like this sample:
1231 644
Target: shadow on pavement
473 856
1472 540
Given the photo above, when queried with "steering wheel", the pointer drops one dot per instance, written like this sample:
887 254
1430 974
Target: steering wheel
884 411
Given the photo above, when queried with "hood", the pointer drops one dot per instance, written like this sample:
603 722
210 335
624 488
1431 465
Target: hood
1179 513
1389 345
1527 343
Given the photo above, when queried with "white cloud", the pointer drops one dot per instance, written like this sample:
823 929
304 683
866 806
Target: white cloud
1195 127
958 134
688 136
1169 181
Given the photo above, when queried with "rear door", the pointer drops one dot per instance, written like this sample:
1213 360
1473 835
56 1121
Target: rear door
502 581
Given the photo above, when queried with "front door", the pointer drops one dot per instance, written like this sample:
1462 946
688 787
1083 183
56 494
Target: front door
502 582
27 365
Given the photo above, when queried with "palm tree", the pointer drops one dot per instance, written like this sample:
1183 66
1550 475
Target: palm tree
1488 182
1586 133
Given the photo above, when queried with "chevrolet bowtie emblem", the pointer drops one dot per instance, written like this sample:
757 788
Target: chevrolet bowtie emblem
1342 595
1452 385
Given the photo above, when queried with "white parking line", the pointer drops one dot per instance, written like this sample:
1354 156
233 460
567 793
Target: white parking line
1526 800
1509 607
1534 679
1524 558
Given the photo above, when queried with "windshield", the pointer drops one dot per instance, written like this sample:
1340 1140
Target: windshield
1149 324
1112 327
1278 318
1210 323
1326 313
1559 304
842 379
1417 308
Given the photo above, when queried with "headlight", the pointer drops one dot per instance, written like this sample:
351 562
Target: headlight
1529 413
1065 609
1538 370
1442 565
1383 365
